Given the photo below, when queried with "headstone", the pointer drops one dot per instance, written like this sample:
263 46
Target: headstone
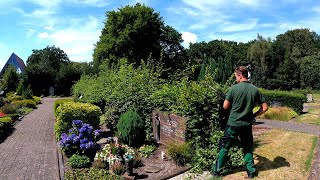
51 91
168 127
309 98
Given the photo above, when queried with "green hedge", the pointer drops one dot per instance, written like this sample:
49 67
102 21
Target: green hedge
286 98
36 99
58 102
25 103
69 111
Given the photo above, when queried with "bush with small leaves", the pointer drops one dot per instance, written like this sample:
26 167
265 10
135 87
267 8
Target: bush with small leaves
78 161
131 129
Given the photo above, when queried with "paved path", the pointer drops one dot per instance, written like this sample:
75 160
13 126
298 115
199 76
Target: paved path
30 152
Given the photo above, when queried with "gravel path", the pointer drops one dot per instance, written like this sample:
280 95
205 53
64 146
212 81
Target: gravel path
30 152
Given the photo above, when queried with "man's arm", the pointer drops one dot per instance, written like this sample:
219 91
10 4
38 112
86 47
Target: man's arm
263 109
226 104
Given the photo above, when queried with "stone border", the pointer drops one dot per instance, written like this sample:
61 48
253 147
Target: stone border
183 170
60 163
315 171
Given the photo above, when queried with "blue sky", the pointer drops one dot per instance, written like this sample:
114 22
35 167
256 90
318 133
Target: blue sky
75 25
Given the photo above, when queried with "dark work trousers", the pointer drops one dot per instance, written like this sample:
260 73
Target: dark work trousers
226 142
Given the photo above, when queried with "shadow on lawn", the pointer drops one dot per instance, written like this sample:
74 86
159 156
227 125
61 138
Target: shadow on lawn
263 163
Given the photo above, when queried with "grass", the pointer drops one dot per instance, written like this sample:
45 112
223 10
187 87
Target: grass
313 114
278 113
281 155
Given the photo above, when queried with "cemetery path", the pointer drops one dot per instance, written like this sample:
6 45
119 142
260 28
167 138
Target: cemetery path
30 152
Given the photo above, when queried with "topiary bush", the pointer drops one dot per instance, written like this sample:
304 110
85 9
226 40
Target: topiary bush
69 111
79 161
58 102
131 129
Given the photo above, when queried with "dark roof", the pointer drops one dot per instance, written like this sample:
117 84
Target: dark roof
16 62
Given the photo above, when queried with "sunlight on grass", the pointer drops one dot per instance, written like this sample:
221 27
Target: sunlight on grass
281 155
308 119
278 113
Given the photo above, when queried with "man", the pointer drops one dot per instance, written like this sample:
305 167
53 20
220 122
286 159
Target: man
241 98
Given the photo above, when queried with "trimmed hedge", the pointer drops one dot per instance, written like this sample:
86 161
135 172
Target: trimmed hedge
25 103
69 111
286 98
58 102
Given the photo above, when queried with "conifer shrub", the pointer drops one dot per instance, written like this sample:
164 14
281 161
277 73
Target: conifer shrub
79 161
24 103
131 129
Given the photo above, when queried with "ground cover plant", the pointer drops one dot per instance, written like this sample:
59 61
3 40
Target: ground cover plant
278 113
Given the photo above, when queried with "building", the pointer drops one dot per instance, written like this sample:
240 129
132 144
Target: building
16 62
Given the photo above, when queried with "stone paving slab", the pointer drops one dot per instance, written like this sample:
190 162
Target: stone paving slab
30 152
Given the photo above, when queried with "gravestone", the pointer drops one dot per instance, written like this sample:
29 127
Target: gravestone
51 91
168 127
309 98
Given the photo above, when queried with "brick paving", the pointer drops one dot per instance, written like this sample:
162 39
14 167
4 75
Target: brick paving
30 152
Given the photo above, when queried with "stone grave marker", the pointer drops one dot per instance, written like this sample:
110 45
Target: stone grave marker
309 98
168 127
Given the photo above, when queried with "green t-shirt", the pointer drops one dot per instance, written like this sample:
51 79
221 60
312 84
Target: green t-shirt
243 97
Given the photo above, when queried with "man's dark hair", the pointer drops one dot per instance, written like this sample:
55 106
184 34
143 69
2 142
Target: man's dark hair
242 70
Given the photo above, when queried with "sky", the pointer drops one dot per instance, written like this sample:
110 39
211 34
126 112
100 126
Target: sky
75 25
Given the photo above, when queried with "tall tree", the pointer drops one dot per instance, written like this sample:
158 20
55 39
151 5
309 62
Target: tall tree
42 68
137 33
10 79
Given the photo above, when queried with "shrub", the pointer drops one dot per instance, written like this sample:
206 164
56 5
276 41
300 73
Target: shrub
86 174
58 102
131 129
36 99
24 103
5 124
179 152
118 168
288 99
146 150
9 109
14 97
24 110
24 90
69 111
80 139
2 101
137 161
78 161
99 164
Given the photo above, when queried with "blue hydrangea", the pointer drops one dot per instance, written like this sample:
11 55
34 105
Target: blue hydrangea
82 146
77 123
96 132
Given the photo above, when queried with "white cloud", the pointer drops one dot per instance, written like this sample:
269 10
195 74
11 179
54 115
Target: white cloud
95 3
30 33
77 40
232 27
188 38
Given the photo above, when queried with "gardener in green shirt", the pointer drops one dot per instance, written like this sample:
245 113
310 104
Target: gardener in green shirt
241 98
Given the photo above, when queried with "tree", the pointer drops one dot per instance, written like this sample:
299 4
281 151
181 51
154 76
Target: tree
259 58
42 68
309 72
10 79
137 33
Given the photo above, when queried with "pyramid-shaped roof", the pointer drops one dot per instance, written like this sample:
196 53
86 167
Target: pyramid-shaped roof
16 62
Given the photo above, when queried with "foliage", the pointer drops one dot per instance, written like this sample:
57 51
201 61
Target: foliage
99 164
10 79
118 168
200 102
310 157
286 98
278 113
179 152
42 68
36 99
85 174
9 109
14 97
69 111
137 33
309 72
131 129
24 90
78 161
58 102
146 150
5 124
24 103
119 89
81 138
24 110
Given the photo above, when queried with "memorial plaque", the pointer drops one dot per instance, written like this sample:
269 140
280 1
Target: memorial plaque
168 127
